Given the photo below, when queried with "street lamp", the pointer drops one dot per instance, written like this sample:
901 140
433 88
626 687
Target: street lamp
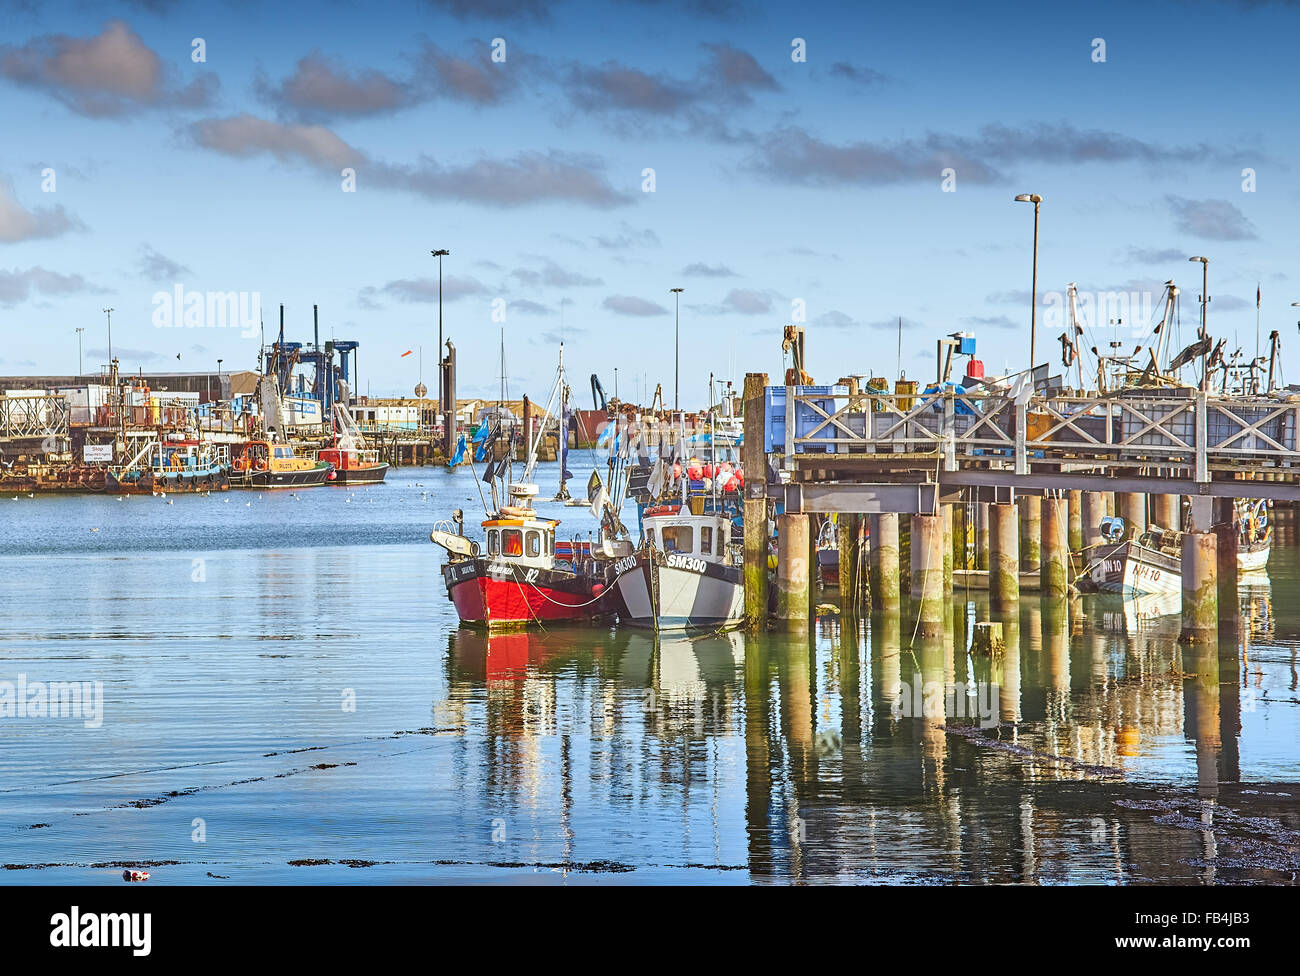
81 369
1205 300
1036 200
677 334
439 254
109 313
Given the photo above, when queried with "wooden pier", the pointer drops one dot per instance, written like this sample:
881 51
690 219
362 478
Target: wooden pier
1066 459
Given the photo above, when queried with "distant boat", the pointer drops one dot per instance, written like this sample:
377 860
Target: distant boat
262 464
170 466
354 463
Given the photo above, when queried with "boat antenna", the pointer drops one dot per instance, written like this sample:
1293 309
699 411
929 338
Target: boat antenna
900 345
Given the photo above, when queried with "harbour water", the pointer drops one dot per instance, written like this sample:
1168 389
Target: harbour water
287 698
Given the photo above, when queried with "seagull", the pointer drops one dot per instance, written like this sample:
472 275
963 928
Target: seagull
94 530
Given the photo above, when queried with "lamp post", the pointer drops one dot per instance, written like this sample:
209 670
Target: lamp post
1205 300
109 313
81 369
439 254
1036 200
677 335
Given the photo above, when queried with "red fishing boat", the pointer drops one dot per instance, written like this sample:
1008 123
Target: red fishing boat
354 464
524 576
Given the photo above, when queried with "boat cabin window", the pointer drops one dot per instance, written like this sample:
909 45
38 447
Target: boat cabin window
534 540
706 539
494 542
678 538
283 452
512 542
650 536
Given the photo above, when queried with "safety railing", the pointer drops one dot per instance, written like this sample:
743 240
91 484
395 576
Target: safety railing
1185 428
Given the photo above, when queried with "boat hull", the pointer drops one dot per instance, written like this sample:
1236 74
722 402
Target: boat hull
1133 569
1253 559
677 592
305 478
496 595
170 482
371 474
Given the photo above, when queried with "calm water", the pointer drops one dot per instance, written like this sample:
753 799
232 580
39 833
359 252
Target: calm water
287 699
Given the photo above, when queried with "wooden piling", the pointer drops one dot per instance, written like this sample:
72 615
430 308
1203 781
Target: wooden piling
1004 556
945 517
960 536
793 571
927 573
1167 511
1094 510
754 462
1200 586
1031 530
1225 534
1075 499
848 533
1131 506
982 535
884 563
1055 569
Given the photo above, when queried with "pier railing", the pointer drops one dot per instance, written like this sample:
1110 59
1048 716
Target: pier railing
1183 428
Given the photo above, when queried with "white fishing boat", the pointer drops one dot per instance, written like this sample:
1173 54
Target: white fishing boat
1151 562
684 575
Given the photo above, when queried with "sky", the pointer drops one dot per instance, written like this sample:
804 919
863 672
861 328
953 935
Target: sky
839 166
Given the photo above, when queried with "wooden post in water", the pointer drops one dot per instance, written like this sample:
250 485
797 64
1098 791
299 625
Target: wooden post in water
849 529
960 529
1055 570
1167 511
982 535
884 563
1200 586
793 576
1225 533
1004 557
1094 510
945 517
754 463
927 573
1031 531
1075 498
1131 506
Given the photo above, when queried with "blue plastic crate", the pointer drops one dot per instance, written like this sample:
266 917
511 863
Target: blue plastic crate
805 422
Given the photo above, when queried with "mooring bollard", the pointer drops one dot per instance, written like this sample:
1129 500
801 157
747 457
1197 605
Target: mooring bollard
1004 556
884 566
1200 585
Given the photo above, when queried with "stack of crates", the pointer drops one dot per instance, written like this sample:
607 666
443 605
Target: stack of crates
806 419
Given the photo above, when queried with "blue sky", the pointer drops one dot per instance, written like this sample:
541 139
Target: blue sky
776 181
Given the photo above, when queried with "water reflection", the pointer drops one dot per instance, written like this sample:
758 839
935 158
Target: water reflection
846 773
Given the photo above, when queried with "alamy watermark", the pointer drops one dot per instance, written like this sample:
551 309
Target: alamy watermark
978 700
181 308
53 699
